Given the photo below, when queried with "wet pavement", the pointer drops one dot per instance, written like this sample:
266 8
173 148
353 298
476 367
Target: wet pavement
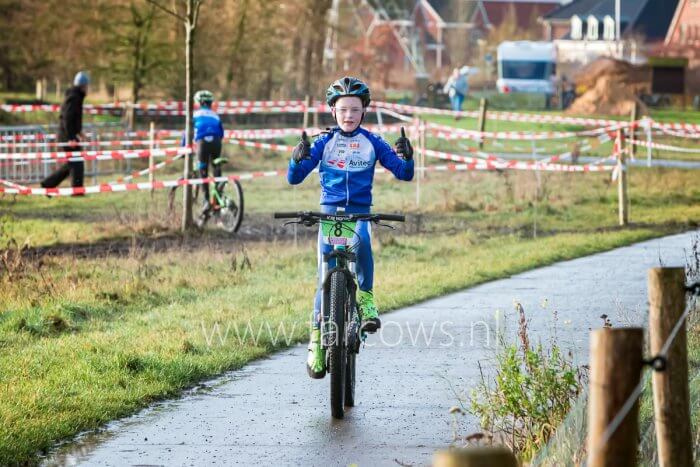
271 413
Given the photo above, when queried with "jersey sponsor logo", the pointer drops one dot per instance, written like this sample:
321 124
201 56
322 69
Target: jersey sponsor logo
336 162
358 164
354 145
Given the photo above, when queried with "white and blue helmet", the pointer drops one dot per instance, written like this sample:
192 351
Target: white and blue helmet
81 79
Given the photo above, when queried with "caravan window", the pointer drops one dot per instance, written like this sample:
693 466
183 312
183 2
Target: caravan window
517 69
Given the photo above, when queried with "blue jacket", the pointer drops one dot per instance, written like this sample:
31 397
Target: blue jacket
347 162
207 123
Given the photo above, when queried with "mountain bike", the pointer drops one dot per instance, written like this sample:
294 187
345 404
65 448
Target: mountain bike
226 206
341 332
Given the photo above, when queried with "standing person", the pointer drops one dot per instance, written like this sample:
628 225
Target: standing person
347 155
70 132
457 87
208 133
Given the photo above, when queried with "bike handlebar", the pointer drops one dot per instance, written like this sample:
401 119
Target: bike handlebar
317 216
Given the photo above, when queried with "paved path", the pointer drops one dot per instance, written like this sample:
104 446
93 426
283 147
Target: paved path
271 413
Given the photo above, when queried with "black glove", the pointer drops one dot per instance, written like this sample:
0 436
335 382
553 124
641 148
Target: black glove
403 146
303 149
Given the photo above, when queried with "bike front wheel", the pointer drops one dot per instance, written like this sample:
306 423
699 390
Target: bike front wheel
337 350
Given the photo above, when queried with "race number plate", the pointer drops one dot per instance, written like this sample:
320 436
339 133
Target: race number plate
337 232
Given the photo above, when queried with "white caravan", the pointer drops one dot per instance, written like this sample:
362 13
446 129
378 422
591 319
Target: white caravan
526 66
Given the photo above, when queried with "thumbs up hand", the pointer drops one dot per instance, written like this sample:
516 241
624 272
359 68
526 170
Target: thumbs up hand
403 146
303 149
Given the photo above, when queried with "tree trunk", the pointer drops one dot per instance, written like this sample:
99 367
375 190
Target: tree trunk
187 192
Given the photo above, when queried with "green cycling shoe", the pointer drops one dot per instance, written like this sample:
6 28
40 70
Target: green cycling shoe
368 311
316 360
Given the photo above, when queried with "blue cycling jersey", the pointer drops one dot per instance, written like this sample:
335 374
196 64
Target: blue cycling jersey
347 162
207 124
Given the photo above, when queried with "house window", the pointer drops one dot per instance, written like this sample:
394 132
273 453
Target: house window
609 28
592 33
576 27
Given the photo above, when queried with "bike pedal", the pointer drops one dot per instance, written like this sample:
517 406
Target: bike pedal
370 327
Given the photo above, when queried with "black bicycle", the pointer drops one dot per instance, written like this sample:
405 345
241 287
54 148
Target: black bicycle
341 333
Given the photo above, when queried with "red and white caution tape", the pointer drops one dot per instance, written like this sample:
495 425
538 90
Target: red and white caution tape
148 170
95 155
121 187
686 127
496 163
448 132
107 143
665 147
507 116
12 184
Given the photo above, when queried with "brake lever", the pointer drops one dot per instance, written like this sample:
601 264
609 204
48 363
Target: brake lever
290 223
386 225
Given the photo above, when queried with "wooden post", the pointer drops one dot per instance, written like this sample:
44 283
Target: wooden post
151 165
671 393
58 89
307 104
633 130
316 113
622 201
648 131
420 163
483 108
616 366
40 91
478 456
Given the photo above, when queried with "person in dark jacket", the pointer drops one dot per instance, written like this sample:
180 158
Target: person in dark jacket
69 132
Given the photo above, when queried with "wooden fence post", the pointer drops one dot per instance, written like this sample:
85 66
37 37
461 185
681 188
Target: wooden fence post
616 366
622 200
307 104
633 130
486 456
151 162
671 392
483 108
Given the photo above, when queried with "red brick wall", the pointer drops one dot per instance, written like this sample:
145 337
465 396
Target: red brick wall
687 27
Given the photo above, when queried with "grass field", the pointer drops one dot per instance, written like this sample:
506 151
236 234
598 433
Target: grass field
92 335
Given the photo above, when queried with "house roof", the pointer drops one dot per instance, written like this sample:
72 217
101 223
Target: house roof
494 12
649 17
598 8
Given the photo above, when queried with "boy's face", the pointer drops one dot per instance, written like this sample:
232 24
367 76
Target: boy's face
348 112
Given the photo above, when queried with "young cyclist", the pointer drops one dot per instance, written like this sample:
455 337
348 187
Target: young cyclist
208 133
347 155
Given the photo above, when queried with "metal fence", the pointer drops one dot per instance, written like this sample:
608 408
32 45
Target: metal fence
35 170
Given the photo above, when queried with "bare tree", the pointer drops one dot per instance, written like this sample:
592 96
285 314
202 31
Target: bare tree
189 18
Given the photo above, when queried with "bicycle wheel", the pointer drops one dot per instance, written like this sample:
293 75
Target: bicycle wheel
350 379
353 347
231 214
337 352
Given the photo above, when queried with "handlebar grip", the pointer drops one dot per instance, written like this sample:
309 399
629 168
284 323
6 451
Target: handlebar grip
392 217
285 215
